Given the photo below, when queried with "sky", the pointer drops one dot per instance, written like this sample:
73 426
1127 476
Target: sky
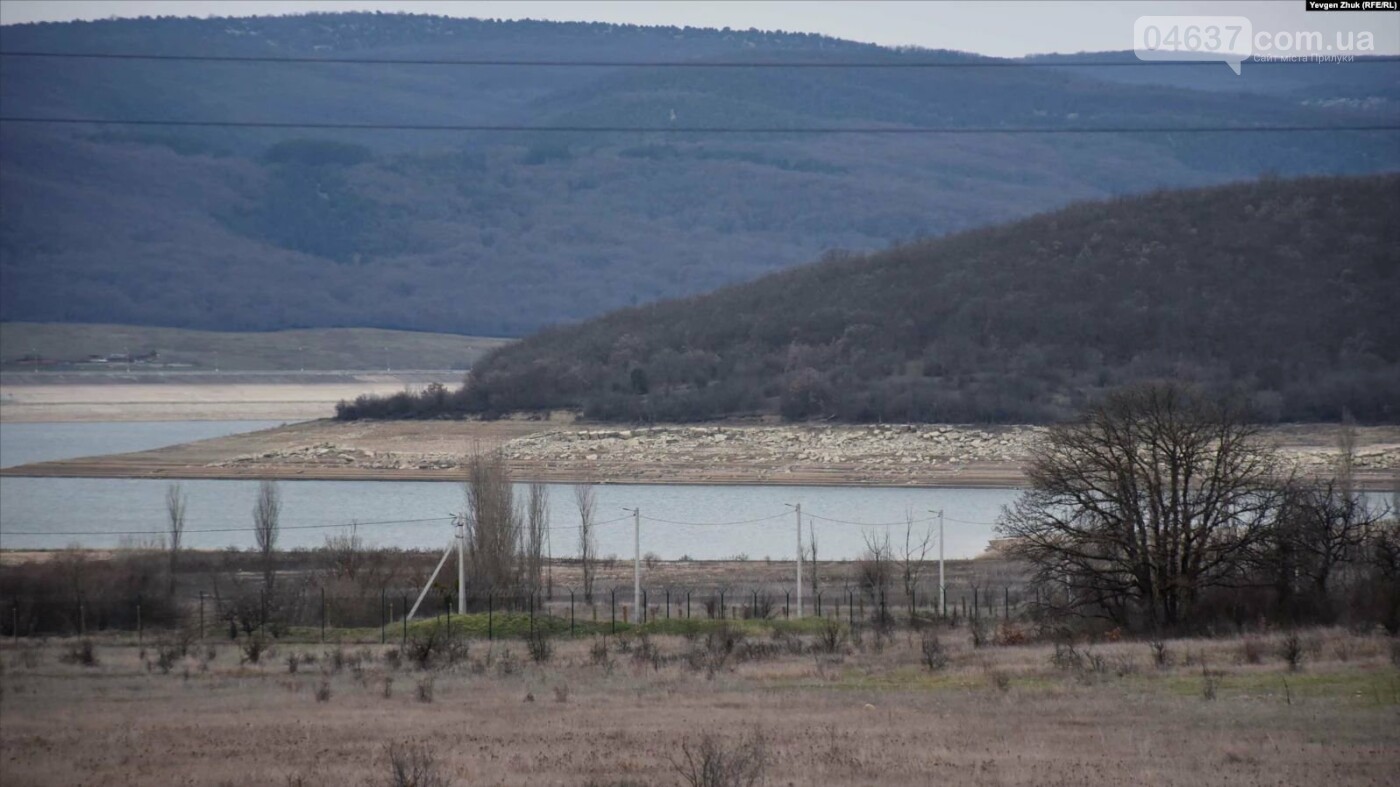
1006 28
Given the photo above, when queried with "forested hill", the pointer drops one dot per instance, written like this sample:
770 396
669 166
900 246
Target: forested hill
500 233
1283 290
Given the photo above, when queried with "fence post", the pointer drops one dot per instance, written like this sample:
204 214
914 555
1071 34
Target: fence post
975 603
532 614
138 620
14 621
490 616
383 618
642 616
687 605
1005 603
571 612
323 614
723 611
82 617
850 609
612 605
819 605
668 603
201 615
787 604
447 602
405 620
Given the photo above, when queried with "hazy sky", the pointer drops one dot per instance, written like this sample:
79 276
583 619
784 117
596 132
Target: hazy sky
994 27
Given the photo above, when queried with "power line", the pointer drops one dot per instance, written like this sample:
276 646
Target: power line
872 524
714 524
952 130
733 64
218 529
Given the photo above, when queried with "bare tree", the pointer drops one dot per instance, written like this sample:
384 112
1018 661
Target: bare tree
175 501
585 499
911 564
1150 498
536 530
874 570
812 554
493 525
267 512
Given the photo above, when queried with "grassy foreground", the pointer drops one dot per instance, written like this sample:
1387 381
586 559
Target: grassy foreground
805 706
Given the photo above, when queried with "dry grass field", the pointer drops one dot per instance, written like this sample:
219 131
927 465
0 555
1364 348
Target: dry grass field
778 705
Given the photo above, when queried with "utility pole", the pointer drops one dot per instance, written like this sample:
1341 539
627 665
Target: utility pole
942 605
461 524
798 510
636 559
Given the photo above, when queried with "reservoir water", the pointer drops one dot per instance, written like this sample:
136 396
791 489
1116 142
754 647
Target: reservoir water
701 522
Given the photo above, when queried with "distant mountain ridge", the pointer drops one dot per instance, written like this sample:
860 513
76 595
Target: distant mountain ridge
1280 291
504 233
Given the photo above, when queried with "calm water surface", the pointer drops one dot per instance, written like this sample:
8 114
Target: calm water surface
703 522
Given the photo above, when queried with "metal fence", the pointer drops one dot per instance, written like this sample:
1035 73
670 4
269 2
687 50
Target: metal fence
312 613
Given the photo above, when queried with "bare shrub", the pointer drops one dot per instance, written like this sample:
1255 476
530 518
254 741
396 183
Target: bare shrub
561 693
293 661
424 689
507 664
537 643
413 765
1210 683
598 651
713 763
1252 650
1395 652
82 652
1291 651
323 691
1010 635
435 643
977 629
393 658
1161 657
386 686
831 637
999 680
253 649
932 653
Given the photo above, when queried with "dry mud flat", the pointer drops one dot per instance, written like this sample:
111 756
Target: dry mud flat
885 455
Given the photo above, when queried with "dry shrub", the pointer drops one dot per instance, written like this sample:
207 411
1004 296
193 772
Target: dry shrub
413 765
999 680
1291 651
1252 650
1161 657
386 686
978 631
435 644
1010 635
713 763
82 652
253 649
1210 683
393 658
598 651
537 643
831 637
293 661
932 653
424 689
561 693
323 691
